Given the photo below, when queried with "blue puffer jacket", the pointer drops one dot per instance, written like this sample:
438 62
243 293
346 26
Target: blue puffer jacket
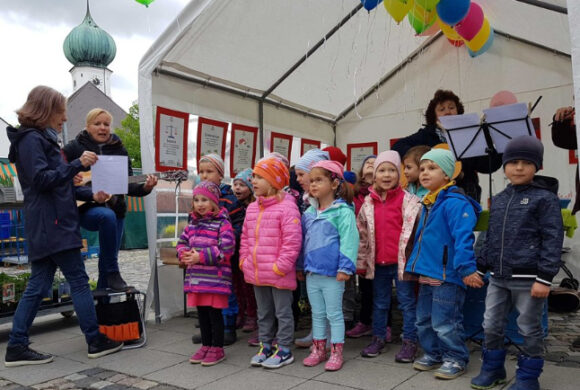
443 247
331 239
525 234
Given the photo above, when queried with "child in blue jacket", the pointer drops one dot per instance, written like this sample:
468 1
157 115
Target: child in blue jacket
523 247
444 260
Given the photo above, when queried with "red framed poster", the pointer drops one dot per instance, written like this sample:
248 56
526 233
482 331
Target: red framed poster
573 156
211 137
356 153
307 144
243 148
393 141
537 127
281 143
171 139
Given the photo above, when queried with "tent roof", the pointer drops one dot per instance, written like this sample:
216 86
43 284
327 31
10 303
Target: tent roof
268 48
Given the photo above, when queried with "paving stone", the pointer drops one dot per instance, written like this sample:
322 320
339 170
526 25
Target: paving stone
75 377
165 387
145 384
117 378
129 381
4 383
116 386
105 374
91 371
100 385
86 382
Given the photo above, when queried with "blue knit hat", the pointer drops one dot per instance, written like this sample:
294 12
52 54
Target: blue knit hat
308 159
442 157
524 147
350 177
246 177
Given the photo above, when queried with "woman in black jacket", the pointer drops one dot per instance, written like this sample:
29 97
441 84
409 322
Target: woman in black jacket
52 224
107 218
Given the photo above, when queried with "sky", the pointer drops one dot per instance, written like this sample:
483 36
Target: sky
33 31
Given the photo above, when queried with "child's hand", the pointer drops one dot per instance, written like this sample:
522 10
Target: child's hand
190 257
474 280
540 290
342 277
300 276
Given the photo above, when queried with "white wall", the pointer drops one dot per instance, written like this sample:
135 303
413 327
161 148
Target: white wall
4 142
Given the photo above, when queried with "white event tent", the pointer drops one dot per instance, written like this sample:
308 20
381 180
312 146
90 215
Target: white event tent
331 71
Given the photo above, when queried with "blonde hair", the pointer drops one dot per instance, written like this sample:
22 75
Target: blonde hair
41 104
95 112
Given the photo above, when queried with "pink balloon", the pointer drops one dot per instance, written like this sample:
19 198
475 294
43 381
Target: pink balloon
472 23
430 31
503 98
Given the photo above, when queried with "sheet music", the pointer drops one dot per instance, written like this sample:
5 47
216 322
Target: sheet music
111 174
509 129
461 130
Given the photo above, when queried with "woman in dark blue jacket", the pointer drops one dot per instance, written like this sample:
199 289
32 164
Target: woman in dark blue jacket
52 224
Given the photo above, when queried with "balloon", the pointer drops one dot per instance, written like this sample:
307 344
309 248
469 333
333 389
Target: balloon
472 23
398 9
145 2
484 48
503 98
370 4
427 4
452 12
480 38
457 43
450 33
430 31
421 19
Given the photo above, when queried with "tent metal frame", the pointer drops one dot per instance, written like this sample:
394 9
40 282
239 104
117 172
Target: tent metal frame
545 5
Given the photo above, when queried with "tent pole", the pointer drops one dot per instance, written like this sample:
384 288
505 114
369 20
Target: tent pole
543 4
261 126
530 43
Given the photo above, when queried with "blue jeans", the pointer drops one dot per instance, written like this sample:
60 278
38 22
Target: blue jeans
502 296
325 296
382 290
104 220
440 323
41 277
407 297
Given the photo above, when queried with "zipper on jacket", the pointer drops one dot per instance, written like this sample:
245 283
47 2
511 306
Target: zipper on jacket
427 209
503 233
256 244
444 260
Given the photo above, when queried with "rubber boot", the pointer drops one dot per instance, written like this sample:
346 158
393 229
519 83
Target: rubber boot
335 361
492 369
317 353
527 373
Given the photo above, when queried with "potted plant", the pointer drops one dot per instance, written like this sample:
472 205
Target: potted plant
7 191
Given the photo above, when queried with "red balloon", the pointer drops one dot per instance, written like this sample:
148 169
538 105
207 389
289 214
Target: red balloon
470 26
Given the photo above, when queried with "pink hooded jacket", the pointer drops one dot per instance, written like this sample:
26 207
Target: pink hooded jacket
271 241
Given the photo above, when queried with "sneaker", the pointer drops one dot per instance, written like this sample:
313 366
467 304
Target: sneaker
214 356
374 348
449 370
279 358
304 342
407 352
426 363
250 325
389 335
199 355
264 353
103 346
21 355
254 340
359 330
116 283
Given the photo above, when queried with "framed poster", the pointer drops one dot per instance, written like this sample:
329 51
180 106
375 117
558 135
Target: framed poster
243 148
281 143
211 138
171 140
356 153
307 144
393 141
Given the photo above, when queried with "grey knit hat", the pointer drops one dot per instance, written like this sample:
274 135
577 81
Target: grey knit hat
524 147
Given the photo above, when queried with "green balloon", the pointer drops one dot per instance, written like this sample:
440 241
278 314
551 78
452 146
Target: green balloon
145 2
427 4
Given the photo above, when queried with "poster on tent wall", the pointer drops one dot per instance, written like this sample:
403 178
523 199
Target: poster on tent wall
281 143
307 144
211 138
243 148
356 154
171 140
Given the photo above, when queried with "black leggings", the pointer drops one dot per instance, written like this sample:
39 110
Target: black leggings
211 324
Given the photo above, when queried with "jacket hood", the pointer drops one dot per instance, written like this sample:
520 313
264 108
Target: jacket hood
458 193
336 204
222 214
85 138
282 197
15 135
546 182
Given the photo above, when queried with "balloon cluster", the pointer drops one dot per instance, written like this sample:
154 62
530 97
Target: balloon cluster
461 21
145 2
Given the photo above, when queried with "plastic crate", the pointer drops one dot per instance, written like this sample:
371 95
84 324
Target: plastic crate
5 225
14 248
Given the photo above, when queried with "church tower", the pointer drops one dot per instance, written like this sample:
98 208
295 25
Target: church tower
90 49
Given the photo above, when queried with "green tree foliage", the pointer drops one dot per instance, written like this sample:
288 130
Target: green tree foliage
129 134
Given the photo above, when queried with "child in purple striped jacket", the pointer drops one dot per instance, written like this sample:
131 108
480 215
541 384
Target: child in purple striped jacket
205 248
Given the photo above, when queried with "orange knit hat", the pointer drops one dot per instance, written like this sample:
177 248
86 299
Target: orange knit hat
274 171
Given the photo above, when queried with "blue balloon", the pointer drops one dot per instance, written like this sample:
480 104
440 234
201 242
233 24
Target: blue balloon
452 12
485 47
370 4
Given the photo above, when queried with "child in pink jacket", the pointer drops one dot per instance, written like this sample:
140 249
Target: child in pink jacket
271 242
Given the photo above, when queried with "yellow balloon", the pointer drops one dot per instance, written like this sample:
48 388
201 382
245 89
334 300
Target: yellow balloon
398 9
480 38
420 18
448 31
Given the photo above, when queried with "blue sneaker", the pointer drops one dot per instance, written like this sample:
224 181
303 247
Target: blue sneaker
449 370
264 353
426 363
279 358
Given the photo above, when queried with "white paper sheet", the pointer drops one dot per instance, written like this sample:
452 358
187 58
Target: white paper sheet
110 174
509 129
461 129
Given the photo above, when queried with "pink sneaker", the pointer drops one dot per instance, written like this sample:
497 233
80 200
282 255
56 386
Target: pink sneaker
250 325
254 340
213 356
198 357
360 330
335 362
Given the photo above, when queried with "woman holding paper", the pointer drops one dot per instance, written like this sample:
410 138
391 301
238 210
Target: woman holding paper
108 217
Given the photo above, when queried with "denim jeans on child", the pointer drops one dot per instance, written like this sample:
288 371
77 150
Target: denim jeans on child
40 282
407 297
502 296
325 296
382 290
440 323
274 304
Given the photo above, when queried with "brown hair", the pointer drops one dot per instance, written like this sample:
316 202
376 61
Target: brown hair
95 112
360 179
41 104
416 152
344 190
440 97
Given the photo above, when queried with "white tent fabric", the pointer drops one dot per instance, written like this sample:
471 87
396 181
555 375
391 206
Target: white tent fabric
219 59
